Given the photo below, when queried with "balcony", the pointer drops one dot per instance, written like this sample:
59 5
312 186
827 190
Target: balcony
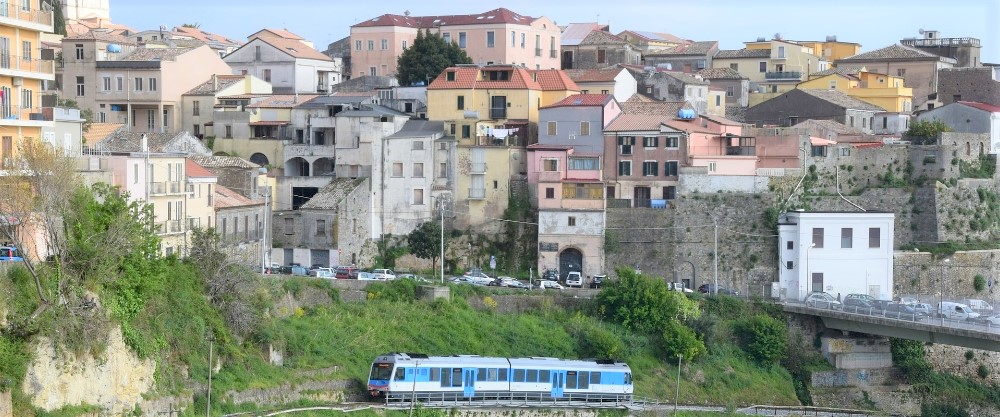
165 188
305 150
170 227
13 14
477 193
550 176
193 223
24 116
941 42
477 168
497 113
741 150
783 75
28 67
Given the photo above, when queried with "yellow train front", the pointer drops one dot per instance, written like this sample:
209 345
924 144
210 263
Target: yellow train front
407 377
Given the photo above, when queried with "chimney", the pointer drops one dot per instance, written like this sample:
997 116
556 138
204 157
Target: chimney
215 82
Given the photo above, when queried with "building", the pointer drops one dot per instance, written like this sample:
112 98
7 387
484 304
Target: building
417 169
736 86
287 61
831 49
236 174
201 200
917 67
598 49
332 228
499 36
965 51
675 86
255 126
797 105
240 224
838 253
578 121
198 104
651 42
686 57
772 66
981 85
618 82
83 9
24 73
66 133
969 117
886 91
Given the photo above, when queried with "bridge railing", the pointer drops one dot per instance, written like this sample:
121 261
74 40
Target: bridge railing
984 323
805 411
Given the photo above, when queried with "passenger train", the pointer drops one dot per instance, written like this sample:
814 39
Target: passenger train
408 377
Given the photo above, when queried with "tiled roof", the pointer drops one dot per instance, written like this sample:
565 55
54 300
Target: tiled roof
80 26
281 33
840 70
520 78
695 48
981 106
895 51
841 99
365 83
725 73
226 198
552 79
331 195
204 36
593 75
494 16
582 100
574 33
634 122
293 47
829 125
215 84
599 37
100 131
743 53
101 36
653 108
224 162
122 141
155 54
192 169
682 77
283 101
653 36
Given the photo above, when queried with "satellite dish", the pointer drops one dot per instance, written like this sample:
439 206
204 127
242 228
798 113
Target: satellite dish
921 31
406 13
777 36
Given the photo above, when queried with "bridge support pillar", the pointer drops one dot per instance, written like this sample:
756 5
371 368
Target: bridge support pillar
857 351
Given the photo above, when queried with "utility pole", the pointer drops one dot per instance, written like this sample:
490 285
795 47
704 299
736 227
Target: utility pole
715 257
211 347
677 392
441 207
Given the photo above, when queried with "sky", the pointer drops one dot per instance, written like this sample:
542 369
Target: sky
873 24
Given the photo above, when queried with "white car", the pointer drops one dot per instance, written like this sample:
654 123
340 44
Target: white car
478 278
823 300
574 279
547 284
384 274
992 320
322 272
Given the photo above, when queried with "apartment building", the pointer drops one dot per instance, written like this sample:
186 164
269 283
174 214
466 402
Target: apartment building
25 68
287 61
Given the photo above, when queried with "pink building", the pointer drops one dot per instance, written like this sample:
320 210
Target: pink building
498 36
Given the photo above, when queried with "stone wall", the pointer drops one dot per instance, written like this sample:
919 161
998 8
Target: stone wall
921 273
6 408
856 377
953 360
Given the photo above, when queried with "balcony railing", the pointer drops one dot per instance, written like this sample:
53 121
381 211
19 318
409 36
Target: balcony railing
13 10
477 193
23 114
477 168
783 75
498 113
941 42
170 227
28 64
741 150
550 176
166 187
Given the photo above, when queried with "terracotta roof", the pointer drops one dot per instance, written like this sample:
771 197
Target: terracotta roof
593 75
582 100
841 99
295 48
281 33
981 106
192 169
721 120
226 198
466 77
283 101
743 53
215 84
204 36
329 197
224 162
695 48
895 51
80 26
633 122
100 131
652 107
494 16
155 54
552 79
100 36
725 73
600 37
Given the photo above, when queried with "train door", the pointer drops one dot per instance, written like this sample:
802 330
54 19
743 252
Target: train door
469 382
558 383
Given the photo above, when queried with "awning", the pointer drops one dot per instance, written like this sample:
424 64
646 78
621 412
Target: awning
821 142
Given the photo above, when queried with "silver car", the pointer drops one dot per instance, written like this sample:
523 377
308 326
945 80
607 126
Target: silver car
823 300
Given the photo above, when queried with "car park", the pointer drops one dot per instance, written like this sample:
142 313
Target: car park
956 311
478 277
710 289
991 320
322 272
384 274
857 305
823 300
299 270
574 279
550 275
924 308
597 280
517 284
417 278
857 296
980 306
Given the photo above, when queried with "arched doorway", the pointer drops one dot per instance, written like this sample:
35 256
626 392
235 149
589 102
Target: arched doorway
686 273
570 260
297 167
259 159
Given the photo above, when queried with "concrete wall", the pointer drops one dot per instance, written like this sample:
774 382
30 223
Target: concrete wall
702 183
971 84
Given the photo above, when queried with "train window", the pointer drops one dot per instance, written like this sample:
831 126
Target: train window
628 378
543 376
503 375
584 380
435 374
571 380
595 378
518 375
532 375
481 374
456 377
492 374
445 377
400 373
382 371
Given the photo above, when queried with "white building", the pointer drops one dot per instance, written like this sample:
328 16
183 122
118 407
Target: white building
287 61
836 252
404 188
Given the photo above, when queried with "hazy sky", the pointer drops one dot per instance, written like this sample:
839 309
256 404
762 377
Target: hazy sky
873 24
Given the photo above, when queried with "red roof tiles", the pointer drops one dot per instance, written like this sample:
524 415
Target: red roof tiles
197 171
500 15
517 78
982 106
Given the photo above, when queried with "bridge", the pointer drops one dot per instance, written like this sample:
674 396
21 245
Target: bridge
971 334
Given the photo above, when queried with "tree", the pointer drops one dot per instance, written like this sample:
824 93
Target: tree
763 337
427 57
925 132
232 287
425 241
643 303
58 20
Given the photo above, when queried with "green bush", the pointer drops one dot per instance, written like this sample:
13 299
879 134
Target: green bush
763 337
969 355
941 410
400 290
680 340
979 283
910 357
643 303
983 371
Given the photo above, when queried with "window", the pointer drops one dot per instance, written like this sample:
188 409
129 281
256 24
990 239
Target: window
571 221
106 84
850 121
491 39
885 122
513 39
418 196
256 53
845 151
602 56
864 122
735 66
79 51
670 168
551 129
672 141
138 84
584 164
385 44
718 100
196 129
817 238
446 37
819 151
550 165
289 225
461 39
461 102
320 227
397 169
625 144
789 265
712 166
418 145
120 83
649 168
229 131
762 66
196 108
729 91
584 128
102 117
152 84
550 192
267 75
789 245
901 72
523 40
80 90
418 170
450 76
874 237
846 238
443 170
466 131
404 44
357 45
650 141
371 45
624 168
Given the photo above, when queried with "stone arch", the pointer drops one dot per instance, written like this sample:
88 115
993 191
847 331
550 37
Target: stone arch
323 166
297 167
686 272
260 159
570 259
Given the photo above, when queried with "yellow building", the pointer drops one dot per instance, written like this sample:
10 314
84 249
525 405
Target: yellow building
25 68
885 91
831 49
492 112
773 66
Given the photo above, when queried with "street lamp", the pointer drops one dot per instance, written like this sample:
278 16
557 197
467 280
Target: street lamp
677 391
808 273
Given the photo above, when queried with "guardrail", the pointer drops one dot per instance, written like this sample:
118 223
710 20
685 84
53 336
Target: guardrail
769 410
530 399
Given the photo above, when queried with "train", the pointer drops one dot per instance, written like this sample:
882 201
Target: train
415 377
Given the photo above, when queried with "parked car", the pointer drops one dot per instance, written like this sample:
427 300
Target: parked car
518 284
679 287
299 270
346 272
823 300
384 274
417 278
366 276
283 269
923 308
478 277
597 280
857 305
549 284
550 275
956 311
880 305
902 311
574 279
321 272
980 306
710 289
991 320
863 297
